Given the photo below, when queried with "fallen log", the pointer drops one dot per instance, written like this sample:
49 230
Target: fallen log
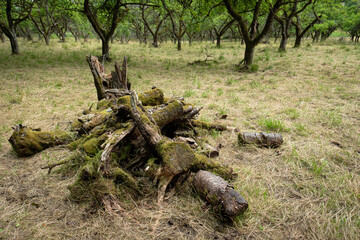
220 194
271 140
210 151
27 141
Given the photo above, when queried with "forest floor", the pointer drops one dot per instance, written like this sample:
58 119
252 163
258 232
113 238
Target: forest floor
309 188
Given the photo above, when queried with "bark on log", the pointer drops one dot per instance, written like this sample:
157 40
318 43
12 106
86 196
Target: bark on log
271 140
27 141
220 194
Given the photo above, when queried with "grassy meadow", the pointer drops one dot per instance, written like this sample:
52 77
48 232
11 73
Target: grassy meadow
309 188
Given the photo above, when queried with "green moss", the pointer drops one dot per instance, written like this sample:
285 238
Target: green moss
208 126
167 114
152 98
103 104
176 156
94 190
75 144
205 163
122 176
26 142
76 125
92 146
125 100
88 172
152 167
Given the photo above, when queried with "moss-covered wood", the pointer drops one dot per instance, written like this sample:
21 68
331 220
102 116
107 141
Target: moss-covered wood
27 141
128 143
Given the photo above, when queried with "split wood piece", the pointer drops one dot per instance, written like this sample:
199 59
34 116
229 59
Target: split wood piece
271 140
109 145
112 85
220 194
210 151
120 76
97 70
208 126
27 141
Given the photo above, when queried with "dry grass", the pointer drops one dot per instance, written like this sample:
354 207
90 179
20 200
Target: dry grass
307 189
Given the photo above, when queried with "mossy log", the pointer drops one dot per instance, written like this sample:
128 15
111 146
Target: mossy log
271 140
220 194
208 126
27 141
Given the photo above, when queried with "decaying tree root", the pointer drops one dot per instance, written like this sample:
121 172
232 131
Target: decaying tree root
128 138
272 140
219 194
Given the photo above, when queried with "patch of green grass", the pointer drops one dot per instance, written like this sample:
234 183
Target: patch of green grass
254 68
188 93
230 81
58 85
255 84
332 118
274 125
300 129
220 92
292 113
205 95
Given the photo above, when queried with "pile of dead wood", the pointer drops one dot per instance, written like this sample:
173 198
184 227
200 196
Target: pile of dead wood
133 140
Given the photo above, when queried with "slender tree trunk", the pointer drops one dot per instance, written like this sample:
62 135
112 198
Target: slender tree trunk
284 36
14 42
47 39
179 44
282 47
297 42
155 41
218 39
249 53
2 37
105 47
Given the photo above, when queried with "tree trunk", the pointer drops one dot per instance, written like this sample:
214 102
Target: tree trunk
179 44
14 44
105 48
47 39
297 42
155 41
218 39
2 37
249 53
282 47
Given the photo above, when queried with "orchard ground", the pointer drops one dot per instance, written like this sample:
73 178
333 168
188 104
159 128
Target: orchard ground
309 188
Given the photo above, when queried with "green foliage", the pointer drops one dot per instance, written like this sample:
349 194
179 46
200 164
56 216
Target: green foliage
270 124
